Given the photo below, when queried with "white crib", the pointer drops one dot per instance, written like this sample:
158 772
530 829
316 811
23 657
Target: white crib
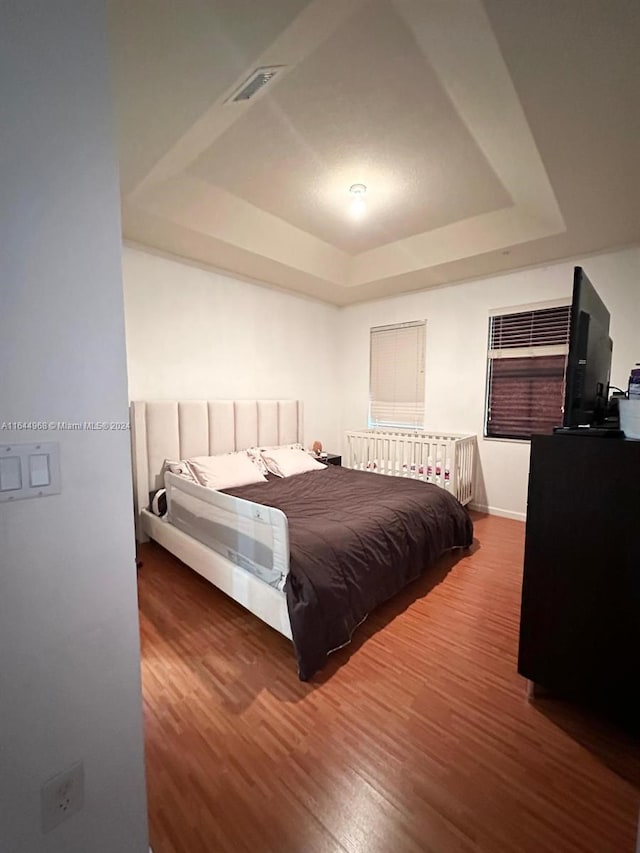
444 459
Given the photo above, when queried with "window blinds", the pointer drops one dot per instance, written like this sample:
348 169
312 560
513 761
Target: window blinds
526 367
528 330
396 383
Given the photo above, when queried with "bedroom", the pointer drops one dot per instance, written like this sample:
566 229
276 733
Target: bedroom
193 332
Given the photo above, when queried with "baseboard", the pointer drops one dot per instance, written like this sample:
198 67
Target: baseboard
503 513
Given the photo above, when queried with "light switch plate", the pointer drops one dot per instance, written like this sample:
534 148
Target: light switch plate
29 470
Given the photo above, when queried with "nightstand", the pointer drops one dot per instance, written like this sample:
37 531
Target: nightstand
330 459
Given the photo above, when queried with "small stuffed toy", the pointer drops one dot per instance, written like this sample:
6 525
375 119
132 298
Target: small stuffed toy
317 447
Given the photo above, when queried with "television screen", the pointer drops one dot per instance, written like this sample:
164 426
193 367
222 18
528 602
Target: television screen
589 359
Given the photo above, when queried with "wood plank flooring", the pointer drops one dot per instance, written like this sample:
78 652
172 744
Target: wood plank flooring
417 738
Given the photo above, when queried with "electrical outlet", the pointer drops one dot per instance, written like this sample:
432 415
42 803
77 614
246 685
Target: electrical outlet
62 797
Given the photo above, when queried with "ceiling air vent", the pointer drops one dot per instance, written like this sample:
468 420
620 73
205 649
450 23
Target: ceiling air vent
256 82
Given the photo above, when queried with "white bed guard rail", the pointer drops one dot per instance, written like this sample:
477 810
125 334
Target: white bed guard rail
444 459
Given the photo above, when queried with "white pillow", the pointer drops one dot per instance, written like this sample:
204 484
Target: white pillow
226 471
256 454
182 469
286 461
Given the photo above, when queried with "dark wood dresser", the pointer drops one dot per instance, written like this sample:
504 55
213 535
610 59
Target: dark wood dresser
580 616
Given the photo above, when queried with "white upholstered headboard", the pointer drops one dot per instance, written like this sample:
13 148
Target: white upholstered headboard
180 429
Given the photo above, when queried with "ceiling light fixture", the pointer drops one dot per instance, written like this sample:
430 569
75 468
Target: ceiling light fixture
358 206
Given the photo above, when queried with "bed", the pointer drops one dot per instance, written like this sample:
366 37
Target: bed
310 554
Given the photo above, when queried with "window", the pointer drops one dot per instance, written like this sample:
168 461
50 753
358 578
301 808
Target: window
396 380
525 370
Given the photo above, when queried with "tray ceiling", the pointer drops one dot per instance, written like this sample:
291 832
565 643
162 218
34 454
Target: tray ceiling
456 116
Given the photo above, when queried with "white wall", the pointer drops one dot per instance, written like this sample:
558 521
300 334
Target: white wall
69 652
197 334
457 329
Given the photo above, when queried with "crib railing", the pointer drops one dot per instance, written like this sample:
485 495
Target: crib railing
445 459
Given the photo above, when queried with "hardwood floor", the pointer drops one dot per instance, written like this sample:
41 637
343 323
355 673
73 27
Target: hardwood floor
417 737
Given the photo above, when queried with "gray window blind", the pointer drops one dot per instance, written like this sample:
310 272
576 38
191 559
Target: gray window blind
396 383
525 371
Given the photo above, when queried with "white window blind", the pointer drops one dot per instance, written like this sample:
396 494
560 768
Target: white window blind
396 383
525 371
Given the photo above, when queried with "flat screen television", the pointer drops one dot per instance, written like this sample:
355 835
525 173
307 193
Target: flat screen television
589 359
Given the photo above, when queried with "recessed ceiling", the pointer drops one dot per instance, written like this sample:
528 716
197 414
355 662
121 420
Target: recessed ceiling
489 136
397 129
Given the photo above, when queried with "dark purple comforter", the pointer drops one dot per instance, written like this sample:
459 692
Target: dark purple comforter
356 538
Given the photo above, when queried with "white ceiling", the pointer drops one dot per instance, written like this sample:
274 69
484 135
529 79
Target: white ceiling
490 136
